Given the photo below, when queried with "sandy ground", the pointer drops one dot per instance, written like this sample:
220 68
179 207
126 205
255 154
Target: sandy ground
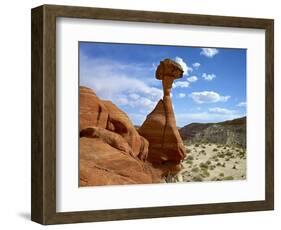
211 162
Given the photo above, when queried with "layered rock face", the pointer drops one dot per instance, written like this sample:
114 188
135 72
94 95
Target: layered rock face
232 132
111 150
166 147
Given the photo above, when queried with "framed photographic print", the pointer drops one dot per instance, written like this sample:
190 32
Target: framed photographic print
141 114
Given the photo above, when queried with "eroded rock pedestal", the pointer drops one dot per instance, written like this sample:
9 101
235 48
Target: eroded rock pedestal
166 149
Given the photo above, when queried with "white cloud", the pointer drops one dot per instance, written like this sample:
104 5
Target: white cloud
185 67
181 84
181 95
134 96
221 110
242 104
208 97
208 77
192 79
196 65
209 52
123 84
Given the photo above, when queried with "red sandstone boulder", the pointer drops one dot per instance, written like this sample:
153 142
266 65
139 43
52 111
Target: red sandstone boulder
102 164
120 123
111 149
104 114
111 138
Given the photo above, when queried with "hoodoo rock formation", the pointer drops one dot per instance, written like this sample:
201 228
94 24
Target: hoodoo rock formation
111 150
166 149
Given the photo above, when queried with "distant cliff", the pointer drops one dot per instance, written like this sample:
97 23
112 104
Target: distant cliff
232 132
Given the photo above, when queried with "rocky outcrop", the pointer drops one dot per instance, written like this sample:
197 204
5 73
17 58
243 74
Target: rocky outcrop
103 164
93 113
165 144
119 122
111 150
232 132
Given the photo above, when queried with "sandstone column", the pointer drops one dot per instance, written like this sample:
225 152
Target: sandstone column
165 144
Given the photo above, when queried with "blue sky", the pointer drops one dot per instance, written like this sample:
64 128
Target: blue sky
212 89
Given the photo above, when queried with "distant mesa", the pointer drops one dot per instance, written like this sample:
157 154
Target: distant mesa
231 132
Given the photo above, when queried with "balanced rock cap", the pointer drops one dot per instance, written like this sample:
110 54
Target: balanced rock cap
169 68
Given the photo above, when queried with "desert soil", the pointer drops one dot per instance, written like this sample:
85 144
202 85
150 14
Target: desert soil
211 162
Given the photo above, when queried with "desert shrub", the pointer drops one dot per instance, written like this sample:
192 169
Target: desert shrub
223 165
208 162
189 162
221 174
227 159
242 154
190 158
196 145
212 167
229 154
204 173
195 169
218 164
197 178
221 155
234 167
215 150
203 165
203 152
187 150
